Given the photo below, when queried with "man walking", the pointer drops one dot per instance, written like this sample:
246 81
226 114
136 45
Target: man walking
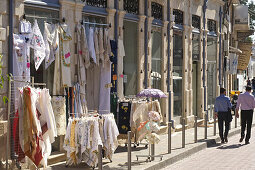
246 103
222 108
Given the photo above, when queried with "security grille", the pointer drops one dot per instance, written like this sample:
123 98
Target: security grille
157 11
131 6
97 3
178 16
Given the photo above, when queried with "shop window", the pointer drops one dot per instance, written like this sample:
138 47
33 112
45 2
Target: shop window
195 47
157 11
131 6
211 72
156 57
178 16
42 15
177 72
196 21
211 25
97 3
130 60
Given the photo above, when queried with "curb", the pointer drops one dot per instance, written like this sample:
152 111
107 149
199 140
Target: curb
204 143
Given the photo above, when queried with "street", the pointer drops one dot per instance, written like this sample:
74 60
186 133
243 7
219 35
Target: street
233 155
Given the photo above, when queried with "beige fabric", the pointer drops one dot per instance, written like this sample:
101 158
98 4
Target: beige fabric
107 46
101 46
96 46
59 109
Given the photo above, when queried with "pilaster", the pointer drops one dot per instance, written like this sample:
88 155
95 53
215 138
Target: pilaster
149 48
120 59
140 64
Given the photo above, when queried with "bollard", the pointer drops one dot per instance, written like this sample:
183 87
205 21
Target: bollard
214 125
195 129
100 157
206 116
152 152
183 132
235 119
169 136
129 150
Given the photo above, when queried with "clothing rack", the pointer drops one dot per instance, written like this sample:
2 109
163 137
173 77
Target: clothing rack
11 111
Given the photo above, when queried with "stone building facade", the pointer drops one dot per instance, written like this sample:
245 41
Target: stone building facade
145 26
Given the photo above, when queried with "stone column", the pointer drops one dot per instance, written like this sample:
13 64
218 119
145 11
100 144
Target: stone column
140 63
164 101
149 48
110 20
72 12
120 59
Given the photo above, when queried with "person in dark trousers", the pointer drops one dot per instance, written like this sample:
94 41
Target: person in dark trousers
222 110
248 82
246 103
253 83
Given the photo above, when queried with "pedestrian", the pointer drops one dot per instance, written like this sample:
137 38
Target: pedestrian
253 83
246 103
222 110
248 82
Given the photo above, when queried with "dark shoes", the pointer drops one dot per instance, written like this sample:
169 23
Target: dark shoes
222 141
226 139
241 139
247 142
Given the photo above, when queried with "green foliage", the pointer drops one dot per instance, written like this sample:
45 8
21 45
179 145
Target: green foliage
5 99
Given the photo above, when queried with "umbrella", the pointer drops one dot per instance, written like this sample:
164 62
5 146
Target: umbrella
152 93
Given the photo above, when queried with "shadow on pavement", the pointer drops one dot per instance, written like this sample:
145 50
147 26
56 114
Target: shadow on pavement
234 146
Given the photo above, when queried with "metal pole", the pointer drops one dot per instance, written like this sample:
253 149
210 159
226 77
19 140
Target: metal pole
146 44
214 125
206 117
169 136
195 129
116 28
152 152
220 13
10 47
129 150
100 157
235 119
8 123
183 132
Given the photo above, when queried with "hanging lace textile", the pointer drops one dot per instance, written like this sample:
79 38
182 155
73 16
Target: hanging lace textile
37 126
85 134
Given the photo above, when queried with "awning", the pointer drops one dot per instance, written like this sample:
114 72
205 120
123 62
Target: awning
244 58
234 50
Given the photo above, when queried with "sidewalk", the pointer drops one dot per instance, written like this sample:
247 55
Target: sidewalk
119 161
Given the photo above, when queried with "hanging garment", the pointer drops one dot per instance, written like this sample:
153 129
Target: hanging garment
105 88
51 39
31 131
91 45
47 122
21 63
25 27
96 34
59 110
65 38
93 87
81 60
37 43
84 47
101 46
57 90
107 46
120 82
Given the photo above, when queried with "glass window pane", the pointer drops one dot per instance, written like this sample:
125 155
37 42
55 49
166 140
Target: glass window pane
130 60
42 75
156 56
177 73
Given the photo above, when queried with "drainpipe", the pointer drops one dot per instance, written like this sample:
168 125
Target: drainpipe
220 83
146 44
10 48
204 85
116 6
168 62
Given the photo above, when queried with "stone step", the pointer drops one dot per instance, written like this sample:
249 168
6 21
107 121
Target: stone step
56 157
